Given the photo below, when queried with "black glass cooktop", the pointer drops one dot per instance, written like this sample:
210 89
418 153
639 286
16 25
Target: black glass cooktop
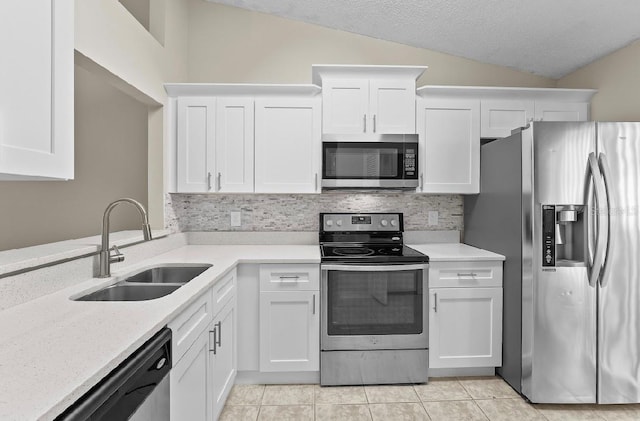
371 253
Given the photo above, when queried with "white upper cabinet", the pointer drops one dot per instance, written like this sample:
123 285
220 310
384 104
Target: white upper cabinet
367 100
505 109
392 105
196 144
36 89
499 117
449 145
287 145
561 111
243 138
234 144
345 106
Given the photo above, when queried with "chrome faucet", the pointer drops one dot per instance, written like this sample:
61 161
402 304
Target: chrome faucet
105 253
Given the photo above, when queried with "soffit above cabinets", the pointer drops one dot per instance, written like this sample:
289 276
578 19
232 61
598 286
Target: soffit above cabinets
546 37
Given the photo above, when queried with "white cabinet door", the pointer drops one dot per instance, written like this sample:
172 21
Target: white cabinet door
288 145
561 111
345 105
465 327
289 331
224 356
36 89
498 118
392 105
196 144
449 140
234 145
190 379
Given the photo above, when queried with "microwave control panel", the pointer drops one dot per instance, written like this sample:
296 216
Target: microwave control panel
410 161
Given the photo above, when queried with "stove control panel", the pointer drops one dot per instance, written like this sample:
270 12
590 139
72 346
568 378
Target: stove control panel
370 222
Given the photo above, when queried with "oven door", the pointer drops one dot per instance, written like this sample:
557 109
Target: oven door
374 307
369 164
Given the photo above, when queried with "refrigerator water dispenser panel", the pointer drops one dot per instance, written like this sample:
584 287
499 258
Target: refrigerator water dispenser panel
563 235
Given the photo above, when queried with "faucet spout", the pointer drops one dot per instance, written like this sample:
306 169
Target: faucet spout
105 256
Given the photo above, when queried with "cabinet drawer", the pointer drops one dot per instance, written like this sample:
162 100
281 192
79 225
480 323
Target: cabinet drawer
289 277
465 274
188 325
224 291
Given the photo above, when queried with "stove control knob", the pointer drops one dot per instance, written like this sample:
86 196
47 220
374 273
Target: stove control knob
394 222
383 222
339 222
329 222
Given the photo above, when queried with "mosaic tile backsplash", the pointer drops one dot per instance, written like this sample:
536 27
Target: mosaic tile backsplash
299 212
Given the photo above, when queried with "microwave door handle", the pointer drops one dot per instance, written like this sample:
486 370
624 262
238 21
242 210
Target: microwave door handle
375 268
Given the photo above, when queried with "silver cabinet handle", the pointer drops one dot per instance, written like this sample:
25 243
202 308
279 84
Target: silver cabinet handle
208 181
470 275
421 181
316 183
219 181
289 278
435 302
212 341
374 123
314 304
364 118
219 340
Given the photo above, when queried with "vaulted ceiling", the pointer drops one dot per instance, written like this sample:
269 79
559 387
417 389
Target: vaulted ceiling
546 37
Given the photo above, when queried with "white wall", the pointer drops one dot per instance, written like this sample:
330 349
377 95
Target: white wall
228 44
110 162
616 77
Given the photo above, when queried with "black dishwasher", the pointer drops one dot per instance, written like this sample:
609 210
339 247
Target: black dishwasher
119 395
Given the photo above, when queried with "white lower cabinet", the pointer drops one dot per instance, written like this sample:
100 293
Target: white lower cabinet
191 387
289 317
223 357
289 331
203 375
465 322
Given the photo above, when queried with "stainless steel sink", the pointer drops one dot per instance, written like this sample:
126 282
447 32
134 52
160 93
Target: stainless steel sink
168 274
130 292
149 284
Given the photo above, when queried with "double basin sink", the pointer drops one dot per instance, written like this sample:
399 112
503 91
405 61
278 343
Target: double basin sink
149 284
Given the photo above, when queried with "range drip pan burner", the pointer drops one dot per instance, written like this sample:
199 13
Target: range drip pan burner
353 251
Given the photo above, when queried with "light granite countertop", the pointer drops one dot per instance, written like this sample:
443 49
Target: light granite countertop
447 252
53 349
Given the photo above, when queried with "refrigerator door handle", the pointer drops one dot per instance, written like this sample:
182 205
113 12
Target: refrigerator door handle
606 179
601 219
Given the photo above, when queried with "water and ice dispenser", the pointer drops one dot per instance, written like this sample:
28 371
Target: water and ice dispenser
563 235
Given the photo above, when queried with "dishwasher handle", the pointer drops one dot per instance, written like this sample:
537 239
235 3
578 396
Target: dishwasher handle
121 392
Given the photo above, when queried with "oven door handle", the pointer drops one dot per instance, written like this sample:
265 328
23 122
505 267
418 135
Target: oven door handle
376 268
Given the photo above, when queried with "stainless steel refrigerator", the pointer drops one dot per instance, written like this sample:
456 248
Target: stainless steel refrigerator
561 201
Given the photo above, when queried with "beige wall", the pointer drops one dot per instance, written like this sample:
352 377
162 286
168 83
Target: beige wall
616 77
110 162
228 44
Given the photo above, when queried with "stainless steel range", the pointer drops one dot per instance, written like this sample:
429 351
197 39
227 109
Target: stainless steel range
374 326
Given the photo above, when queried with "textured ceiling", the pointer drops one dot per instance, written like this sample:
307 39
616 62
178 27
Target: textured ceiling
546 37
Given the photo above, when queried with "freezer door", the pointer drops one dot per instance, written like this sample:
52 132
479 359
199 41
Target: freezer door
559 306
619 294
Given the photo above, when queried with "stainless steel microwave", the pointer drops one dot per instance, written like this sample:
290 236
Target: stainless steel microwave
388 161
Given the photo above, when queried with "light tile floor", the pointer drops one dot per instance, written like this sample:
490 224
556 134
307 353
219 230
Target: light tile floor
455 399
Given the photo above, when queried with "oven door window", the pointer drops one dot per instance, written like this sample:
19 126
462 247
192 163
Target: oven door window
374 303
362 160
